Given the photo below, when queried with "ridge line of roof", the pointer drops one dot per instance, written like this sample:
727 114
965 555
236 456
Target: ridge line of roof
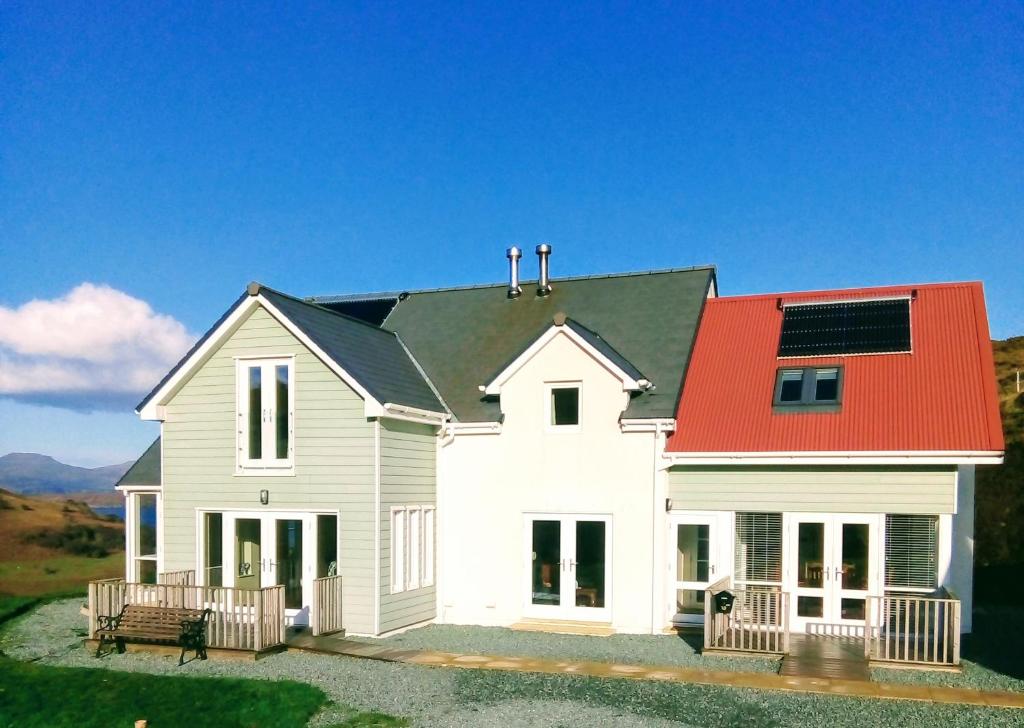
317 306
423 373
853 289
338 298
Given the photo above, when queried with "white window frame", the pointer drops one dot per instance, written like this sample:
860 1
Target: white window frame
412 547
244 465
398 550
549 414
429 526
414 557
133 532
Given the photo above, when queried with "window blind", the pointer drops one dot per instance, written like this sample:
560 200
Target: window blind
911 551
759 547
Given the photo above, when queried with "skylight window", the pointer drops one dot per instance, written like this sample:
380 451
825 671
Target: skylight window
809 389
854 327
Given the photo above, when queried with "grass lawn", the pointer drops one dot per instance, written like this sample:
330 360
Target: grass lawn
60 575
41 695
35 695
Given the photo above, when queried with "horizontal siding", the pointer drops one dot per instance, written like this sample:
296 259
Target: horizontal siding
334 458
408 474
882 489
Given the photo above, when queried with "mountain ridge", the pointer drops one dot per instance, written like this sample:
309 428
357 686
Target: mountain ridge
36 474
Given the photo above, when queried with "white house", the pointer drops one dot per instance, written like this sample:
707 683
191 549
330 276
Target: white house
597 449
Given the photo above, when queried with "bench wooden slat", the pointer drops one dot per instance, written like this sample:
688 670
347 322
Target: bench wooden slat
157 624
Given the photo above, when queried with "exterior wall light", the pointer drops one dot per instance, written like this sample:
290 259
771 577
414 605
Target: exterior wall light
264 497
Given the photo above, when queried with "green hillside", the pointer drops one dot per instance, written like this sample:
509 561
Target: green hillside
999 526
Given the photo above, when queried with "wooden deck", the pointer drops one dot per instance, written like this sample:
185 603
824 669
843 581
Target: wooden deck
825 657
248 620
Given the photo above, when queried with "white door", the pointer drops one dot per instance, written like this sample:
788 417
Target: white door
568 566
832 562
268 549
694 563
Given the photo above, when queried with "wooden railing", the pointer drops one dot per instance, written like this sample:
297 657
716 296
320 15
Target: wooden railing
241 619
758 621
913 629
186 577
326 613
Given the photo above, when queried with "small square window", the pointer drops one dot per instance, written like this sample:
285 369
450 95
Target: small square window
565 406
826 385
791 385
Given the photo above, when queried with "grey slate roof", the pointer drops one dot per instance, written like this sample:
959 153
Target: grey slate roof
463 336
145 470
374 357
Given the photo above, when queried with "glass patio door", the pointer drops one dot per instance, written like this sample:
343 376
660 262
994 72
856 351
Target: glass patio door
831 574
568 567
694 566
265 549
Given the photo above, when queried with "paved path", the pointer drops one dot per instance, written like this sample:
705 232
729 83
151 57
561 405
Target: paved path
760 681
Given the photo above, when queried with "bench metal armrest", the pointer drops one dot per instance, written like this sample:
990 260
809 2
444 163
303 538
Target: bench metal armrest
110 622
194 627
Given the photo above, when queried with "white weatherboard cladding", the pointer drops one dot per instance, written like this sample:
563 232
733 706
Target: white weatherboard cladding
334 458
408 457
489 481
816 489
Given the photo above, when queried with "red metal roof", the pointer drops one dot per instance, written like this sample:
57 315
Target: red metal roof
940 397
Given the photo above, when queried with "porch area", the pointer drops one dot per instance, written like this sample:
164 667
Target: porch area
898 630
252 621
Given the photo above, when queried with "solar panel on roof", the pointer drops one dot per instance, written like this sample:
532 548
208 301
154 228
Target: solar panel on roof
855 327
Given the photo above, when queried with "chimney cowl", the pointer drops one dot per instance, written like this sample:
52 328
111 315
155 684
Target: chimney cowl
514 254
544 278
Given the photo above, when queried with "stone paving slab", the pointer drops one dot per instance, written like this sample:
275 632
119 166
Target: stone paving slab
754 680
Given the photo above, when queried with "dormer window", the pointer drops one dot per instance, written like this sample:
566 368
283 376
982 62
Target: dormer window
563 406
808 389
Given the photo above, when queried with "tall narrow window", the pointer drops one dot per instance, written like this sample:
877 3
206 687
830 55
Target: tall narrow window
397 550
326 546
213 548
415 552
265 414
281 408
142 537
911 551
428 546
256 413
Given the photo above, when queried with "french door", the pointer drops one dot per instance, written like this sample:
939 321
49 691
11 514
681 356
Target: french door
568 566
253 550
694 563
832 568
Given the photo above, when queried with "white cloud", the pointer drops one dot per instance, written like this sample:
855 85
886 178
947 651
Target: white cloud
94 348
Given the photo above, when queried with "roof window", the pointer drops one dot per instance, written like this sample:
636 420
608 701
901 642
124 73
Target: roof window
853 327
808 389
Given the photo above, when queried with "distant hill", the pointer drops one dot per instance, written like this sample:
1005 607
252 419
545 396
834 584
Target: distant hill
32 473
55 547
999 506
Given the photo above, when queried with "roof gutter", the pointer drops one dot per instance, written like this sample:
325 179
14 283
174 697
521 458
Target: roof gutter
413 414
854 457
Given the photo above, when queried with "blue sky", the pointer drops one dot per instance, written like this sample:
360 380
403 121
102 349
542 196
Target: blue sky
173 152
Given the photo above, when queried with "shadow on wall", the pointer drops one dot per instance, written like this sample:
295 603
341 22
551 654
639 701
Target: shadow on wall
996 642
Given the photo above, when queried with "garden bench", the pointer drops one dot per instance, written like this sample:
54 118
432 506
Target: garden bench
158 625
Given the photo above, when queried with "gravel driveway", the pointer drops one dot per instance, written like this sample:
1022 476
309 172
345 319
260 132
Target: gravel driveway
456 697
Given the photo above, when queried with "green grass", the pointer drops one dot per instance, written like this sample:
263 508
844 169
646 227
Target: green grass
372 720
36 695
59 576
11 607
